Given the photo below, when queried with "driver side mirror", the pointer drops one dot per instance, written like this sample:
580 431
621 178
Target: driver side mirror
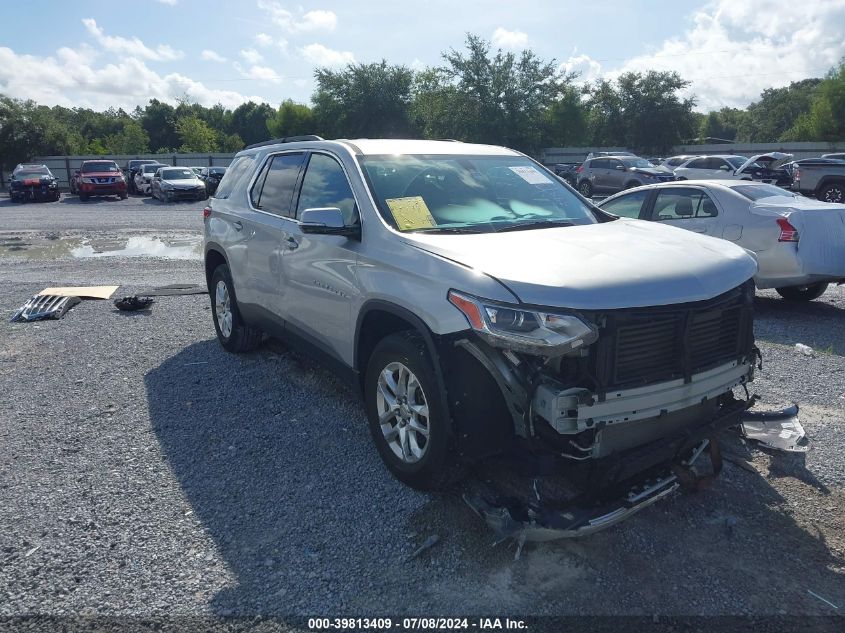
327 221
620 168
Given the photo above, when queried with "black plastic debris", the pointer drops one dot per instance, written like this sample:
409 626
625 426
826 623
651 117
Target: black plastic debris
44 307
131 304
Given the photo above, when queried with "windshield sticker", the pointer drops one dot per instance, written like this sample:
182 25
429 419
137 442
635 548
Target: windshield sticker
410 213
531 175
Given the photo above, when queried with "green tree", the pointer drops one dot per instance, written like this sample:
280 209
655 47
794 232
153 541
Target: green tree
777 111
195 135
566 120
825 120
656 117
488 97
159 121
363 100
249 121
231 143
291 119
132 139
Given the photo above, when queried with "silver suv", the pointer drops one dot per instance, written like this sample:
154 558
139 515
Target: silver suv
480 306
612 174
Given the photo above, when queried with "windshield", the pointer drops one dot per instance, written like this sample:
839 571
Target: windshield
150 169
642 163
99 166
31 173
757 192
217 170
176 174
737 161
470 193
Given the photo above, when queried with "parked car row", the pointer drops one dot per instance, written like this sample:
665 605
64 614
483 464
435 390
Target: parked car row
607 173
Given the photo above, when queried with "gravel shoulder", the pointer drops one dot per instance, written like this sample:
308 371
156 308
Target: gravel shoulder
146 472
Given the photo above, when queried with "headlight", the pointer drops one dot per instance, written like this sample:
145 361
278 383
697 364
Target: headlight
531 331
88 180
166 186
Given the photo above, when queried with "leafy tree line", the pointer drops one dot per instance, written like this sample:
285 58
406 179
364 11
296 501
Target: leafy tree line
476 94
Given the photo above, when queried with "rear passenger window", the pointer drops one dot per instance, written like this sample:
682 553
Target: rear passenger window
273 191
627 206
237 171
683 204
599 163
325 185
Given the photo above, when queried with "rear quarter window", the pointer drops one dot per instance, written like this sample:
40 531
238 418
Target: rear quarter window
240 169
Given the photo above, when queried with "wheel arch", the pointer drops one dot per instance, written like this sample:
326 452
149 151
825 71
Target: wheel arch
214 257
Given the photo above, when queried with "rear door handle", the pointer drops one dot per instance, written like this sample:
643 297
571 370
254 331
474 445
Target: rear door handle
238 225
292 244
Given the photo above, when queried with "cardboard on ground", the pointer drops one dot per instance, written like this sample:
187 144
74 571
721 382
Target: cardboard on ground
84 292
410 213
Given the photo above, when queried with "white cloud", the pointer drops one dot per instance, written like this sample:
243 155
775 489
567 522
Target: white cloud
171 3
320 55
252 56
735 50
303 21
417 64
211 56
262 39
133 47
259 73
587 68
509 39
73 78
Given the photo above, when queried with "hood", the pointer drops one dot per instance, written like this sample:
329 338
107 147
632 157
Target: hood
185 182
652 171
772 160
619 264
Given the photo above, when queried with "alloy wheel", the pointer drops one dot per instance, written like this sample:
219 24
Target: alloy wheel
403 412
223 308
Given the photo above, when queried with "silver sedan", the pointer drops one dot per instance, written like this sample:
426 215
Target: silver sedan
799 242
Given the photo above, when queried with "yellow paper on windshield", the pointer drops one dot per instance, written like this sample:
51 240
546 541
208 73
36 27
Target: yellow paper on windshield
410 213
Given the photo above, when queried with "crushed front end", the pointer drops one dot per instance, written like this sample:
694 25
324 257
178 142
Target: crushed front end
624 414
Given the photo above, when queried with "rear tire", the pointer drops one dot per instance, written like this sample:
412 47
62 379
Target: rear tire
803 293
585 188
405 411
234 335
834 192
83 197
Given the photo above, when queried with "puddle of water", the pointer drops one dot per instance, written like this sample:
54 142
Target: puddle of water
185 248
33 247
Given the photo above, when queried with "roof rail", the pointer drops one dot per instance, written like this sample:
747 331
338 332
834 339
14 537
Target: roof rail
286 139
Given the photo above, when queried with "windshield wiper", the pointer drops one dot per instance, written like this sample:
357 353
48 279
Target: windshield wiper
521 226
447 229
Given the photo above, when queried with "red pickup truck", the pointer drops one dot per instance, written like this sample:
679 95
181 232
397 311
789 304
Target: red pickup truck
98 178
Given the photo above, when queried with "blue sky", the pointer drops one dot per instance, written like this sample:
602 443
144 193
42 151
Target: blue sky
97 54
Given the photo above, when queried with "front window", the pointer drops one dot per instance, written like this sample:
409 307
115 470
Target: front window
176 174
99 167
758 192
478 194
151 169
37 172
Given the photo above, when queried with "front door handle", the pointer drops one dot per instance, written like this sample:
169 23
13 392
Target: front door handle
699 229
238 225
292 244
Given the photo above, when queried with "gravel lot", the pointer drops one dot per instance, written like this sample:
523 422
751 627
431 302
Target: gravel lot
145 472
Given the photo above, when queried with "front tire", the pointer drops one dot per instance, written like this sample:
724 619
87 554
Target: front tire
406 416
834 192
83 197
585 188
803 293
234 335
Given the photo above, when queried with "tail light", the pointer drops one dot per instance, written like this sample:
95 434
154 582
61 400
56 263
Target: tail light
788 233
580 169
206 213
796 174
